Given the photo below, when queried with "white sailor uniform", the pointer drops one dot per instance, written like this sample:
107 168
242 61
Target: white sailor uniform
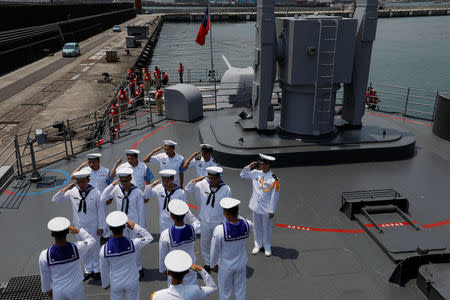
172 163
89 214
117 267
178 238
229 252
141 174
100 179
164 197
211 214
264 200
60 268
133 205
200 165
187 291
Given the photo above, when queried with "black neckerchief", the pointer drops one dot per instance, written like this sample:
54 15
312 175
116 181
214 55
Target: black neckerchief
124 207
212 195
83 199
167 197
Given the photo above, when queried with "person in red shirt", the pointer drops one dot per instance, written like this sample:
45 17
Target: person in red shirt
157 75
122 100
159 101
180 72
147 82
165 78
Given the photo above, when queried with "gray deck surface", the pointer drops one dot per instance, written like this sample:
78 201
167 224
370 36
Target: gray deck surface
306 264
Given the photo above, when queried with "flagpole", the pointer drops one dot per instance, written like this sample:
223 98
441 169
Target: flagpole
213 73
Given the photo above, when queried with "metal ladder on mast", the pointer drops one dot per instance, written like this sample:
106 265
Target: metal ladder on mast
323 90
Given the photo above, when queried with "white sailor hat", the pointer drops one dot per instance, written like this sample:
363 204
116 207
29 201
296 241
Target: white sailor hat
124 172
58 224
214 170
94 156
178 261
116 219
82 174
132 152
266 158
228 203
206 147
167 173
169 143
178 207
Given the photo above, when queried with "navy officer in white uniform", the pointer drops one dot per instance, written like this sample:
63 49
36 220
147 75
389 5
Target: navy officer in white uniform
130 200
179 236
264 200
178 264
141 173
88 213
209 191
168 160
59 265
228 251
201 163
118 257
99 177
164 191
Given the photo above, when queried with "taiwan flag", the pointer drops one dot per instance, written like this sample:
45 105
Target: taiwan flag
204 28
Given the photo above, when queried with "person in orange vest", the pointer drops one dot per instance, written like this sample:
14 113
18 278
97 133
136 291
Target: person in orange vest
157 75
165 78
143 71
114 112
180 72
122 98
130 73
147 82
159 101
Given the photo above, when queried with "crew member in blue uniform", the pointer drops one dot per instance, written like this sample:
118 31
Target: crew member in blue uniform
179 236
59 265
118 257
178 264
228 251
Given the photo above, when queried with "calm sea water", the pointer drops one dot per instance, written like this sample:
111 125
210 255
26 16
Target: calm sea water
412 52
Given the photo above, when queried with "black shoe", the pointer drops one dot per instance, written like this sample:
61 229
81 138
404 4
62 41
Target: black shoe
97 276
87 276
207 268
141 273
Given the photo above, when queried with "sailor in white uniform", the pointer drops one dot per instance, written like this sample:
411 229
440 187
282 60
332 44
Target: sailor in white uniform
168 160
88 213
60 268
141 173
209 191
264 200
130 200
99 178
201 163
179 236
228 250
178 264
118 255
164 191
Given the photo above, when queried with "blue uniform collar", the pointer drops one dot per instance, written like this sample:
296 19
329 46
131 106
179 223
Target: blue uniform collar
180 236
57 255
234 232
118 246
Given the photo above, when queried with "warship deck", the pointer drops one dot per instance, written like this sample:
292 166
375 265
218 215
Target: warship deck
318 253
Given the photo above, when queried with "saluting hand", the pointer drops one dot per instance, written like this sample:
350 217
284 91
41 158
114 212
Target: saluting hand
119 161
73 230
253 165
154 183
164 274
130 224
99 231
196 153
196 268
199 179
115 181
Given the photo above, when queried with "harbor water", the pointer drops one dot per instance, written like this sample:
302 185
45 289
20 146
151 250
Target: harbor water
412 52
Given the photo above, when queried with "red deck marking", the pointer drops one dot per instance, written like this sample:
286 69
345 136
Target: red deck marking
192 206
151 133
401 119
307 228
437 224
